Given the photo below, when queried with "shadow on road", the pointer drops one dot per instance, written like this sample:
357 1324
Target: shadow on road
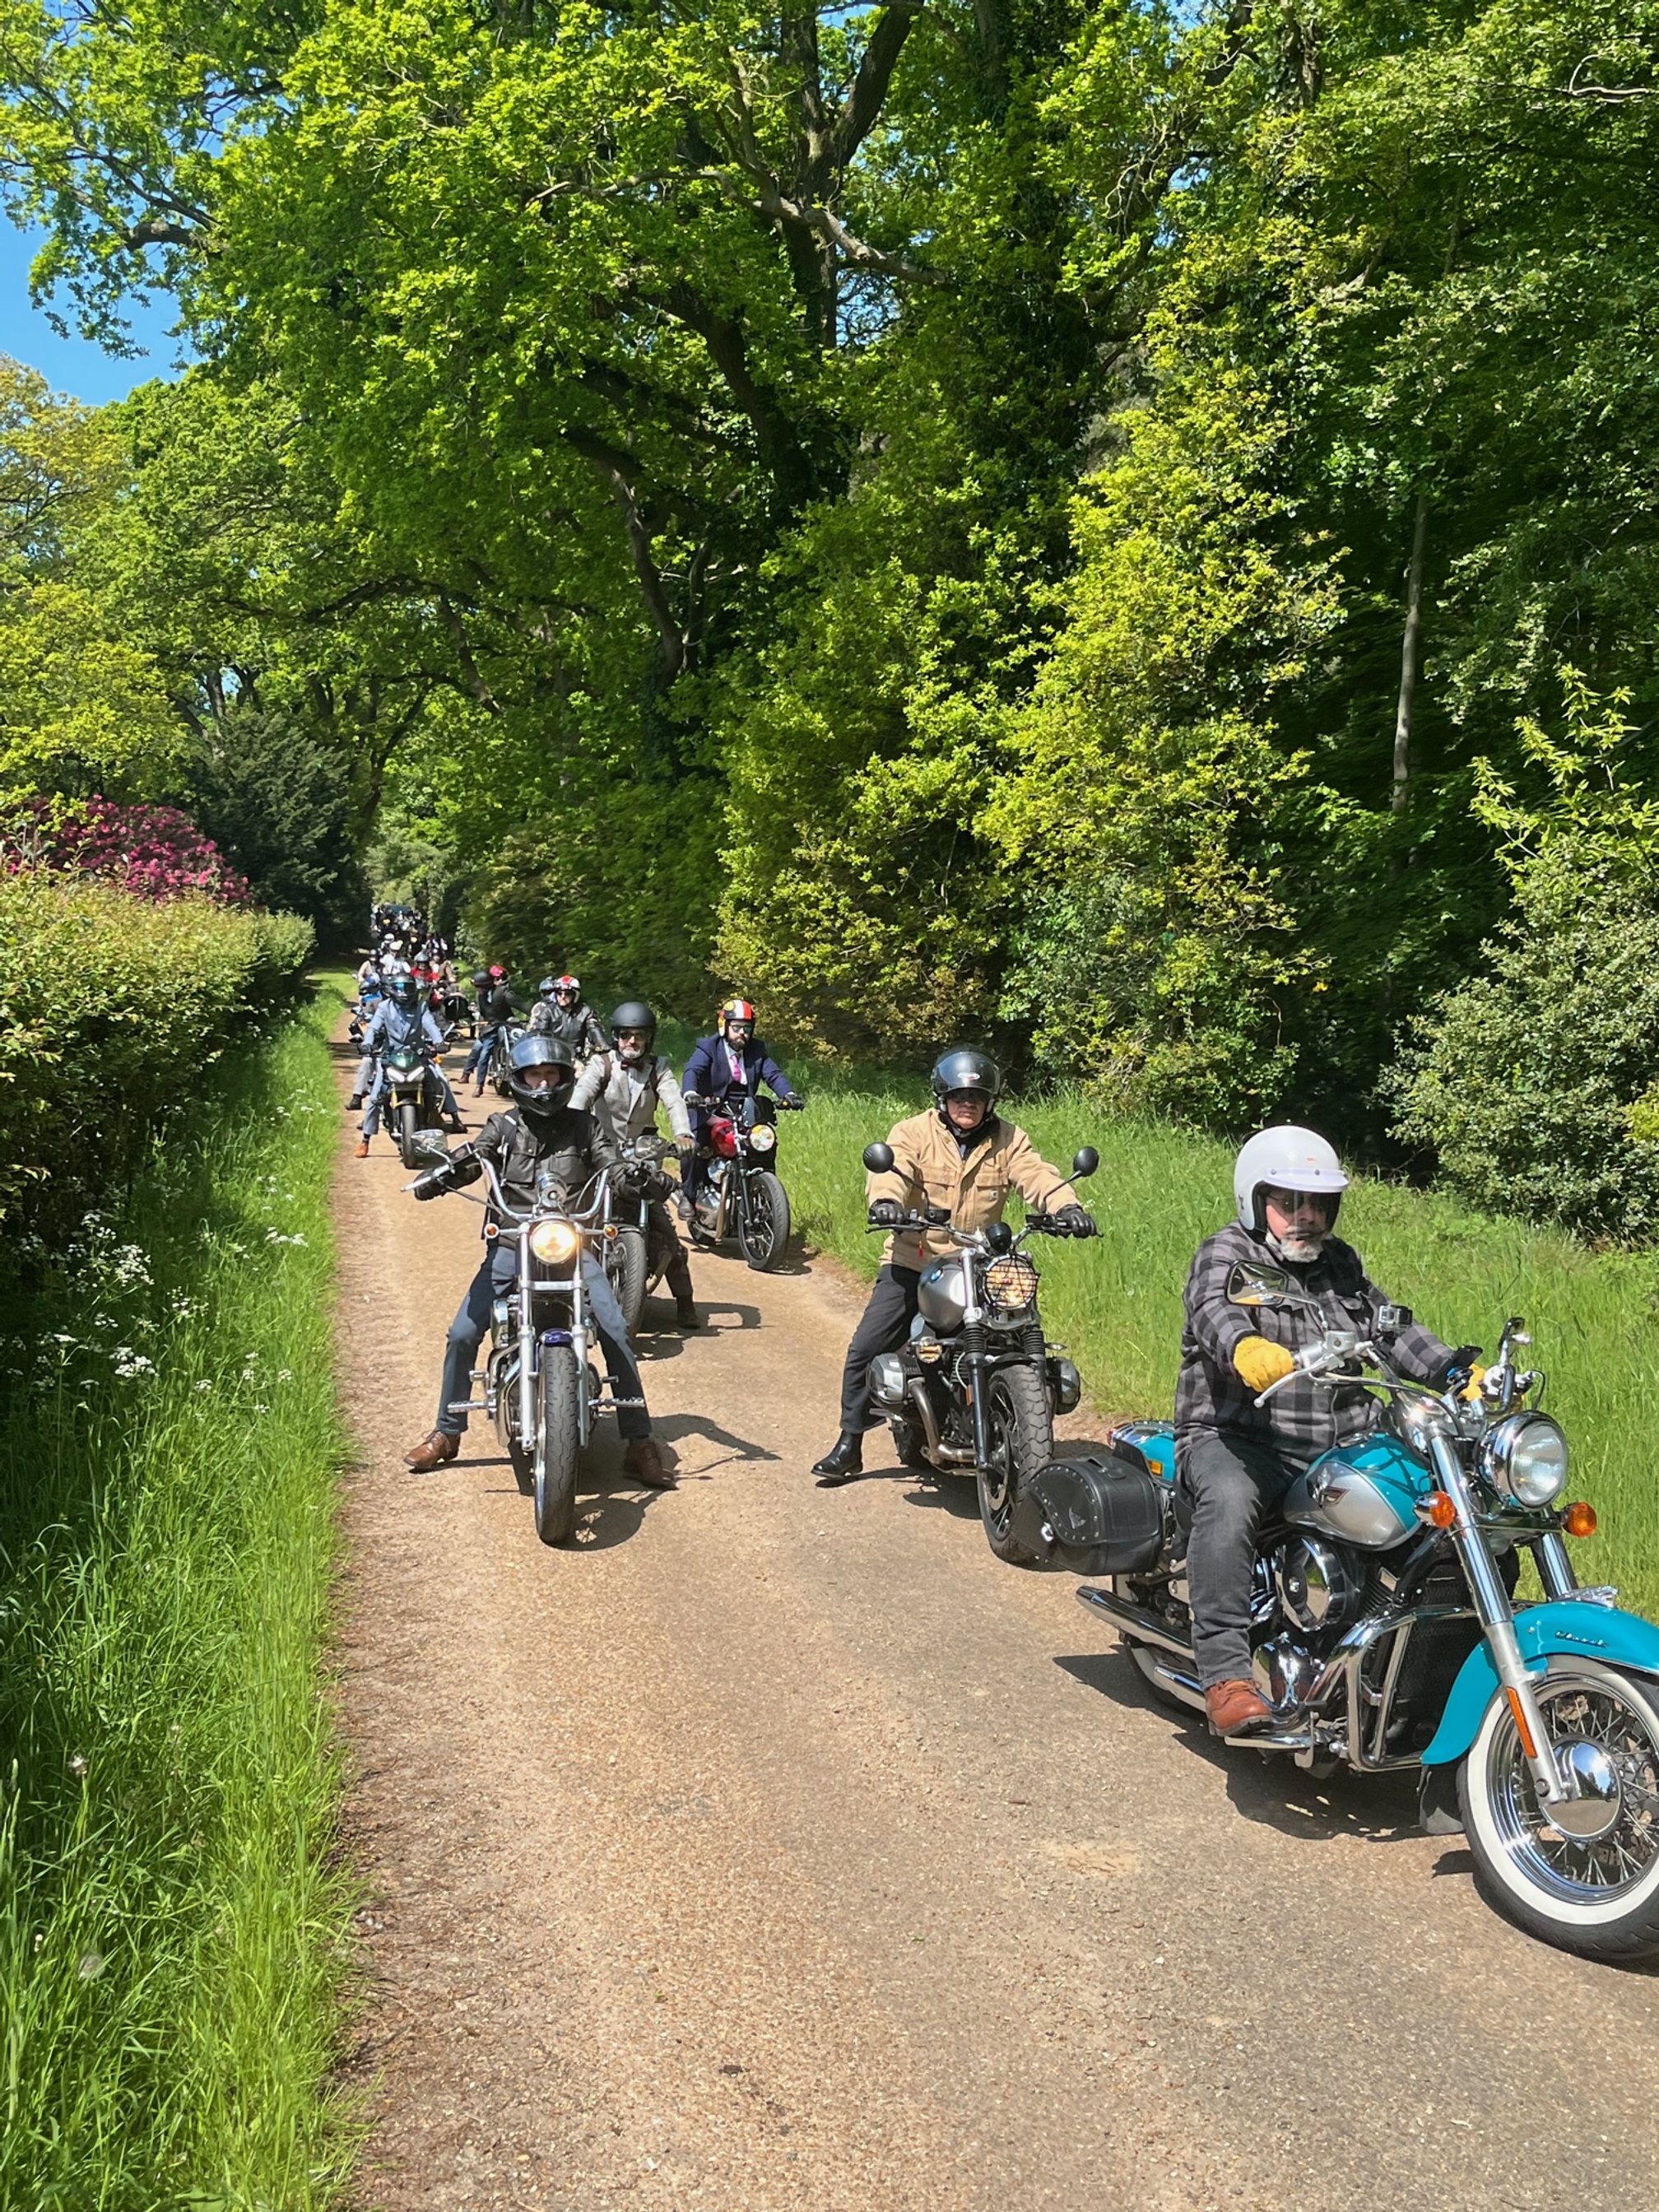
673 1426
1267 1789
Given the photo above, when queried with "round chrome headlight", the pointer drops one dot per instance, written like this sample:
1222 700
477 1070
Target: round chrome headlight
553 1240
763 1137
1526 1457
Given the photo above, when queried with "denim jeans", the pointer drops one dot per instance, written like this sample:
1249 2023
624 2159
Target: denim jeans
497 1278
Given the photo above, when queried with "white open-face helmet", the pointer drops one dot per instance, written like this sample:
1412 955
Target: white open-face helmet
1285 1159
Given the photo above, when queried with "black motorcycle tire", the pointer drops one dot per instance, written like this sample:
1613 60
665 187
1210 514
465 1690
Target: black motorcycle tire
407 1122
1545 1891
907 1442
764 1221
625 1262
1022 1424
557 1438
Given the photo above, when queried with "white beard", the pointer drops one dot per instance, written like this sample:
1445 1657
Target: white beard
1298 1251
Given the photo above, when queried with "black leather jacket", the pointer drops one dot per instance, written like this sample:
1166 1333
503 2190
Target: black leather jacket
574 1144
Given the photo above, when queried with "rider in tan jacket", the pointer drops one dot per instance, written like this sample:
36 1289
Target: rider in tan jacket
963 1156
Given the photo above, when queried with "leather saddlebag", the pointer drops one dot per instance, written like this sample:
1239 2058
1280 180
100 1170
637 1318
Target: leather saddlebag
1098 1516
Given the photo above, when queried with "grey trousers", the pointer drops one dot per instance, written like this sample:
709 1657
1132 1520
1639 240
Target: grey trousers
1232 1485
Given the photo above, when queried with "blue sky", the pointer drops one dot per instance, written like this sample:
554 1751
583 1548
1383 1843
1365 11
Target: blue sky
74 365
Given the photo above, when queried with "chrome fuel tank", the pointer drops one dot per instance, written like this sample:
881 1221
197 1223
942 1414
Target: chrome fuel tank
1364 1493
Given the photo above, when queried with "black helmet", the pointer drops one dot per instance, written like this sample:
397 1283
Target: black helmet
482 979
634 1014
544 988
962 1068
537 1050
401 988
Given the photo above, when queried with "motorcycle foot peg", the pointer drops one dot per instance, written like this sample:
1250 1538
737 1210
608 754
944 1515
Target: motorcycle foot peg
467 1406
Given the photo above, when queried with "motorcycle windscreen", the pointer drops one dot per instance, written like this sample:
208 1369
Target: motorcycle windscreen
1096 1516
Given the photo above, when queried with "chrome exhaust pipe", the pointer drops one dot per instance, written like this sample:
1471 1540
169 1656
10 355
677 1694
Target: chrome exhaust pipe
1139 1619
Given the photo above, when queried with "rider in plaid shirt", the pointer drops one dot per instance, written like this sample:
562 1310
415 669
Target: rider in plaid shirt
1238 1459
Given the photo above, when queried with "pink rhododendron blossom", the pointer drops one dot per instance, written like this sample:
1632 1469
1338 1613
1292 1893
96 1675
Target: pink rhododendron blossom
154 852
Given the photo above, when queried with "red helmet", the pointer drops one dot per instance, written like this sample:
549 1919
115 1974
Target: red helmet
738 1010
570 983
498 974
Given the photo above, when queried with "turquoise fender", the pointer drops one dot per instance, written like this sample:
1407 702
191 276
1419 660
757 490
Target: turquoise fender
1594 1631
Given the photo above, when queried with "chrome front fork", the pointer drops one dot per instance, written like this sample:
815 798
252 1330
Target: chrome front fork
528 1362
1497 1616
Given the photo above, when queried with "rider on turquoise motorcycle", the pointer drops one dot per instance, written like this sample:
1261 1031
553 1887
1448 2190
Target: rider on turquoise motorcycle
1236 1459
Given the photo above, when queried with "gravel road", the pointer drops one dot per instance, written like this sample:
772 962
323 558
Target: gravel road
776 1850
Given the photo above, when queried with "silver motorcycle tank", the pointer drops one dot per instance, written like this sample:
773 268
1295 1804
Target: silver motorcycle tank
939 1294
1365 1492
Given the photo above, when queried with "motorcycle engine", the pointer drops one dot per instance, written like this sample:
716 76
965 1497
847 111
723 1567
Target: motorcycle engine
1319 1586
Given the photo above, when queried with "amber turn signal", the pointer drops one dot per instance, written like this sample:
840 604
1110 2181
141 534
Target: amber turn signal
1439 1510
1579 1520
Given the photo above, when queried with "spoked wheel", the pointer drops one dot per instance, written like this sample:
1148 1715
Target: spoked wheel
1021 1441
1584 1874
557 1436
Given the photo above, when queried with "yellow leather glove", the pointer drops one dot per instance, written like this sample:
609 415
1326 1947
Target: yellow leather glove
1471 1391
1259 1362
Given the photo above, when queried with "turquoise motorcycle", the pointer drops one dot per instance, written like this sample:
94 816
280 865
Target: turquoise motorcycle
1387 1632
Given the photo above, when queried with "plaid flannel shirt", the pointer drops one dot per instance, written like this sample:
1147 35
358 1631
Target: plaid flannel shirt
1305 1417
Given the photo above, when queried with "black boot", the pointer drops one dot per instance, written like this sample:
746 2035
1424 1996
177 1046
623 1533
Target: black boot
685 1312
843 1463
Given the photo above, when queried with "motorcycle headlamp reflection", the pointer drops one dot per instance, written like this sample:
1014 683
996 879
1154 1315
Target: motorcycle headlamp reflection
763 1137
554 1240
1526 1458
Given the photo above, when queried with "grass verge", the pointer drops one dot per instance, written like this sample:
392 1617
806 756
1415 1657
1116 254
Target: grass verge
1116 1301
172 1935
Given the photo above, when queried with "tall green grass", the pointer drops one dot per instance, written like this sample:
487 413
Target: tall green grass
171 1930
1116 1301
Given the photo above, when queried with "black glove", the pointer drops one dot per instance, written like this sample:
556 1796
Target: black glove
793 1104
462 1167
885 1213
1074 1221
1458 1369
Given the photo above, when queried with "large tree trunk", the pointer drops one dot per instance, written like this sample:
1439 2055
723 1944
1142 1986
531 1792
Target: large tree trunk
1411 653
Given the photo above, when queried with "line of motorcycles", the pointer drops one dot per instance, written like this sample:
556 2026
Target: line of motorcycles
1390 1634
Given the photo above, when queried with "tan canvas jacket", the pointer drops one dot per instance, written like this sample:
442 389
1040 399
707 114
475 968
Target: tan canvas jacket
930 1170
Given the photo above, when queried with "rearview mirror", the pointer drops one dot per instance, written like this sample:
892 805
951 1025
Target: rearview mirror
430 1145
879 1159
1252 1283
1084 1160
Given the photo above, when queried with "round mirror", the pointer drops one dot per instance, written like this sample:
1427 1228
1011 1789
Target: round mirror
879 1159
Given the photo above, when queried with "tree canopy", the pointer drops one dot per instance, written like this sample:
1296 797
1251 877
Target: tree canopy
1017 516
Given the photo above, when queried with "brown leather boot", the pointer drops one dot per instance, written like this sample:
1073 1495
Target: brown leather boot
643 1460
434 1450
362 1148
1237 1708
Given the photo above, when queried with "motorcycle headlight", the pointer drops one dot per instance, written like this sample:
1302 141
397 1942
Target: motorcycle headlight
554 1240
763 1137
1526 1458
1011 1285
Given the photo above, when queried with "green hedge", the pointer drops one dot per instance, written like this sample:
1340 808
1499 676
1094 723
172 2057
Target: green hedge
110 1008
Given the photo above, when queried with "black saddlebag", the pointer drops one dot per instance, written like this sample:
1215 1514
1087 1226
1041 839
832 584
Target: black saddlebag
1098 1516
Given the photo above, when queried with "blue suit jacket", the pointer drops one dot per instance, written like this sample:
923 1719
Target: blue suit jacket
708 1054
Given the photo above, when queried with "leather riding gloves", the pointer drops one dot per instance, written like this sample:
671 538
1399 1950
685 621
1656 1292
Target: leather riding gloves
1259 1362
